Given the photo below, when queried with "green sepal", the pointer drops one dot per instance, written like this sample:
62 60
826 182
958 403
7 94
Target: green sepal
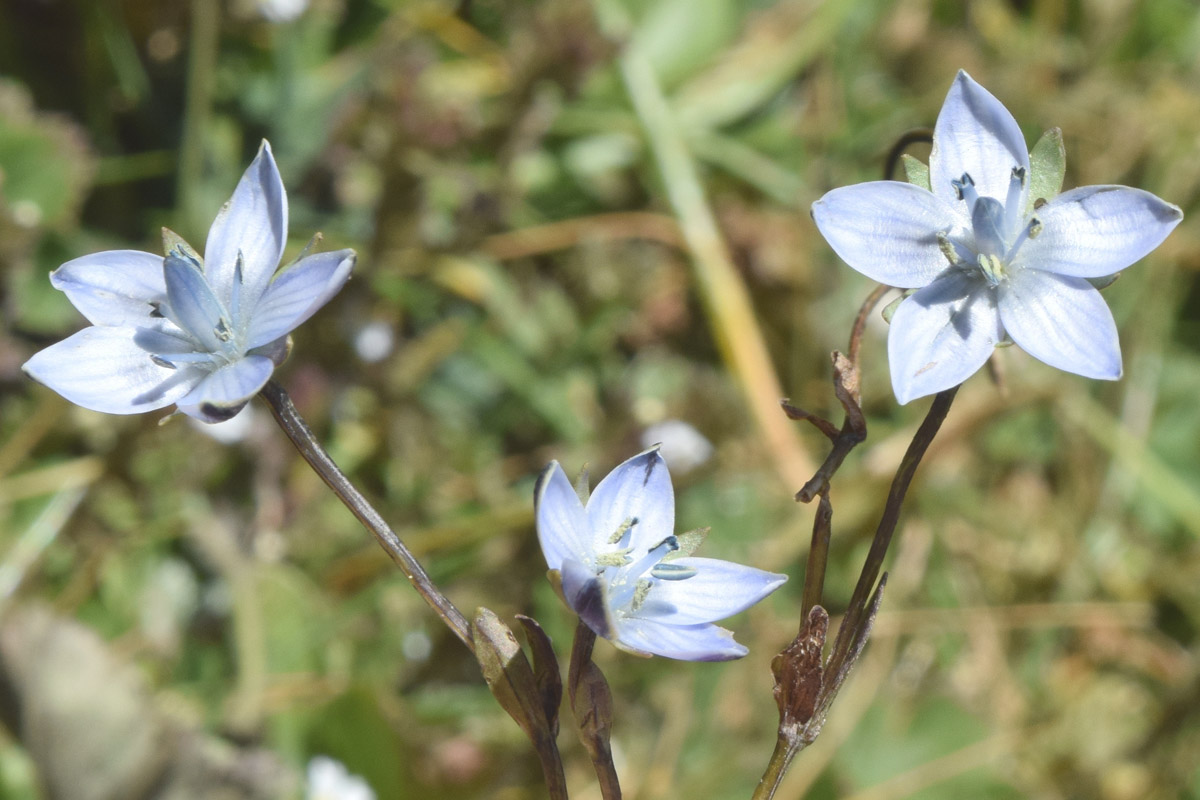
173 241
1047 167
688 543
581 485
890 309
1104 282
916 171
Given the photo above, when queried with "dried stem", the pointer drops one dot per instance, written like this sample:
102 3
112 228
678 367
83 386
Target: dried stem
302 437
591 702
858 607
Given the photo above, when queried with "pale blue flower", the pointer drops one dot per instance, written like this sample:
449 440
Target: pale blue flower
629 577
990 261
204 334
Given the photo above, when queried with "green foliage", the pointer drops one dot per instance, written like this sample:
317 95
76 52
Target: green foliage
1038 636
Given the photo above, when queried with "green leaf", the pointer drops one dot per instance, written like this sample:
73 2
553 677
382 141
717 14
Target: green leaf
1047 167
916 172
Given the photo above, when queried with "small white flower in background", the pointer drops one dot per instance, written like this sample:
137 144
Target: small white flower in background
992 258
374 341
281 10
629 577
330 780
679 442
202 333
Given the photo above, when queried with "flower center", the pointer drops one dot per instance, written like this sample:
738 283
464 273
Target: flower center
630 585
998 230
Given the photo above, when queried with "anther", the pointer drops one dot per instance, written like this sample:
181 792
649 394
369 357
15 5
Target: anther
621 530
668 571
947 248
162 362
222 331
1019 174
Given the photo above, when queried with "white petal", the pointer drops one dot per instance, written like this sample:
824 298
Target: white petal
253 221
976 135
1062 321
223 392
584 593
685 642
297 293
562 525
638 490
115 287
191 303
718 589
941 335
103 369
1095 231
887 230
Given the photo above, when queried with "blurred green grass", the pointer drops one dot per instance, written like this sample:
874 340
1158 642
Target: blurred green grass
1040 635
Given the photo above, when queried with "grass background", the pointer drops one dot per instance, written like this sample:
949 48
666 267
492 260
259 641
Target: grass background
1041 633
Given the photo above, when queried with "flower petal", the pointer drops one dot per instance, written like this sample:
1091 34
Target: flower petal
584 593
685 642
887 230
1062 321
976 135
104 369
718 589
254 222
192 304
1095 231
297 293
638 490
115 287
562 524
941 335
223 392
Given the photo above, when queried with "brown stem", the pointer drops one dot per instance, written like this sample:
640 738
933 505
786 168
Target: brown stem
302 437
857 609
591 702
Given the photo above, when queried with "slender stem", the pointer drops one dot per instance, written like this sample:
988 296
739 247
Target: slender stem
907 138
818 556
857 608
782 756
591 703
860 321
302 437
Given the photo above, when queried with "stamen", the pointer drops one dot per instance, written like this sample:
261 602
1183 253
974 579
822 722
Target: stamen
964 189
222 331
622 589
1013 207
992 267
162 362
1030 231
947 248
156 311
621 530
616 558
640 592
667 571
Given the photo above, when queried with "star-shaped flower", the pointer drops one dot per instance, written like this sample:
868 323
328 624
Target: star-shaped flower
629 577
992 258
205 334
